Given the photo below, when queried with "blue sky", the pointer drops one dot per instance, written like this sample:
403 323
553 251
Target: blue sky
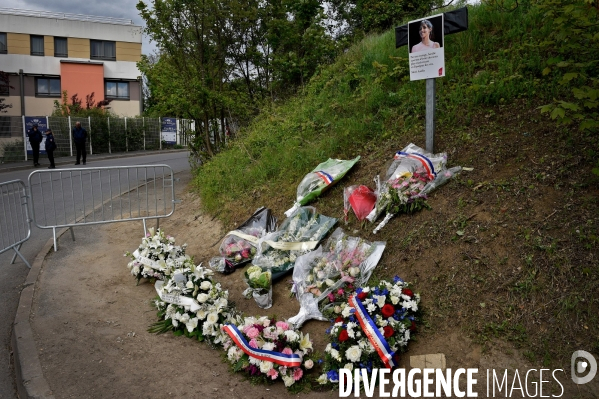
110 8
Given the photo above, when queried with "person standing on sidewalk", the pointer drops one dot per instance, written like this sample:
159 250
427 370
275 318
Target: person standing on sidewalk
50 147
79 137
35 138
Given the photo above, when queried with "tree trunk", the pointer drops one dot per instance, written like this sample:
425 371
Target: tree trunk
207 135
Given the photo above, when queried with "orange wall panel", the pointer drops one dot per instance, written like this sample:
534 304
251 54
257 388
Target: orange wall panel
82 79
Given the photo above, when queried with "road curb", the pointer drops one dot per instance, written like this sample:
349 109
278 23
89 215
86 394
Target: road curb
93 159
28 369
30 380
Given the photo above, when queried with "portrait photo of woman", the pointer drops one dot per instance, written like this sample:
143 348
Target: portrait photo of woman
427 37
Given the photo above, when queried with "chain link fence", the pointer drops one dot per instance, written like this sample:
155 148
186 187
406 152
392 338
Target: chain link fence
11 139
105 135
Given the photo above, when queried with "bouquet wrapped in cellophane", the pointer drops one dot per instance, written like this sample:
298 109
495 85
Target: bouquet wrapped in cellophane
259 286
403 188
239 246
322 177
298 234
320 276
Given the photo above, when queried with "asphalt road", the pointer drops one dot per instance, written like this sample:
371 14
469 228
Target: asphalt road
13 276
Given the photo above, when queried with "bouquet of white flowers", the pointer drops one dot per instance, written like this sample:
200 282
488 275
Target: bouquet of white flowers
156 257
190 303
321 178
321 274
299 234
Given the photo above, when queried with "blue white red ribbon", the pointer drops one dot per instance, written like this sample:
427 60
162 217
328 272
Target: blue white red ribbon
279 358
426 163
328 179
372 332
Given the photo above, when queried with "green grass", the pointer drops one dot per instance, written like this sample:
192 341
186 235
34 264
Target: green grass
519 234
366 97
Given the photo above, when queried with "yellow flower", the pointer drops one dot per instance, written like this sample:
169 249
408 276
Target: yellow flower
305 343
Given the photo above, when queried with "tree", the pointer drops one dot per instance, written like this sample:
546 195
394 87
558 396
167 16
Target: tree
189 36
573 44
223 59
75 106
364 16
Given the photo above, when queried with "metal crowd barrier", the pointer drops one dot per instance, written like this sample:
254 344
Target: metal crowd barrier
88 196
15 225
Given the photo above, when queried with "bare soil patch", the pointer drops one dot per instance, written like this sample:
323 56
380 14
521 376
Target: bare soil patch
90 319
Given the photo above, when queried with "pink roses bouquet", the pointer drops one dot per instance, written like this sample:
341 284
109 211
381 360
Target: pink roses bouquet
239 246
268 350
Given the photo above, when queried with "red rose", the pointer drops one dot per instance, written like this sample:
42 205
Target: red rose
413 326
388 310
388 331
338 319
362 295
343 336
408 292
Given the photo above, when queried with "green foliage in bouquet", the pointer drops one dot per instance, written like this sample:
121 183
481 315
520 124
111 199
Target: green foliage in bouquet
260 281
397 207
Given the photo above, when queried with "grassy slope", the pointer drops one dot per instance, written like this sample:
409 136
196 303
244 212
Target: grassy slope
526 267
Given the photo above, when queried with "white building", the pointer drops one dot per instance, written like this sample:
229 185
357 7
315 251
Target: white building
46 53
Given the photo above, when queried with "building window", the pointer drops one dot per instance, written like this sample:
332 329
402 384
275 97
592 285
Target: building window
3 44
4 88
60 47
4 84
117 90
103 50
5 130
37 45
47 87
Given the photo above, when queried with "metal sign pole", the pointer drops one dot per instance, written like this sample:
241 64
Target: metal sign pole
453 22
430 114
24 137
70 136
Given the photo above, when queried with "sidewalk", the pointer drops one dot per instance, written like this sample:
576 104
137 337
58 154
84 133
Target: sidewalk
81 327
68 161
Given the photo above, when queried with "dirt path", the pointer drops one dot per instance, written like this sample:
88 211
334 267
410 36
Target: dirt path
90 320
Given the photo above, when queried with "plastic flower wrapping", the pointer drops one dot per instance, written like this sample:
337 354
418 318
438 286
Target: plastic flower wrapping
269 350
190 303
371 329
259 286
239 246
319 275
156 257
298 234
359 198
322 177
412 175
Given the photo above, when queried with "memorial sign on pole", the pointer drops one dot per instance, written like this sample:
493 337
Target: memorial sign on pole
426 40
427 54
